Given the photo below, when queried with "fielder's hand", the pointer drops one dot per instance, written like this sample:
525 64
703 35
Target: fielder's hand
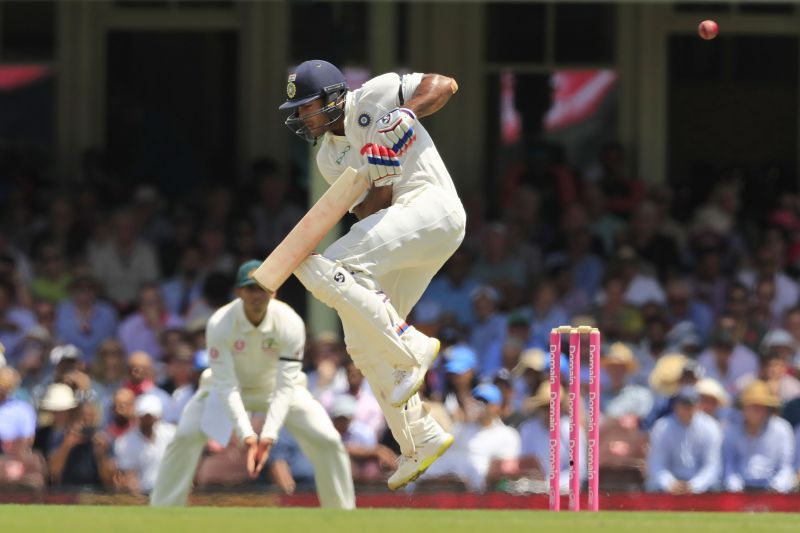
257 454
396 130
382 163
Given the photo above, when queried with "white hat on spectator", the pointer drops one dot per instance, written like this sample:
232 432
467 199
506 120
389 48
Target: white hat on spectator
344 405
713 388
775 338
68 351
147 404
58 397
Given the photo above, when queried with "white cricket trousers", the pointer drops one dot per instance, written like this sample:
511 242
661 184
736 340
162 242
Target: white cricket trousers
373 276
306 420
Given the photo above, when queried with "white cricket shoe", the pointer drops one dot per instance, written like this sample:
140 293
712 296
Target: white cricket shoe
410 468
408 382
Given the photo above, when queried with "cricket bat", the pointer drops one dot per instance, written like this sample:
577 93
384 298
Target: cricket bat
311 229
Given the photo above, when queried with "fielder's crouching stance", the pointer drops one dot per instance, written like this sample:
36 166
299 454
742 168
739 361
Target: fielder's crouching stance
411 221
255 348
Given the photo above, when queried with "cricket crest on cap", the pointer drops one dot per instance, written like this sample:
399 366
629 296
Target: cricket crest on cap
291 89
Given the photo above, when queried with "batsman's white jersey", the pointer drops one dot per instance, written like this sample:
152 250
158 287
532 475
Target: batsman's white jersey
363 111
255 369
377 272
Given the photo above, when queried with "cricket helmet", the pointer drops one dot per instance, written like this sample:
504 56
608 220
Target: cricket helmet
309 81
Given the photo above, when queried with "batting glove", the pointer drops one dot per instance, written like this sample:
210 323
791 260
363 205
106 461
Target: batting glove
396 130
384 167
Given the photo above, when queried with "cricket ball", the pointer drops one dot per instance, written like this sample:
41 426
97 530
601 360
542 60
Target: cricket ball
708 29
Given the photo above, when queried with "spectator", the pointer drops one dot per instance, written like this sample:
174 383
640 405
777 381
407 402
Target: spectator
61 230
497 265
149 207
650 243
459 365
791 324
125 262
15 321
480 441
122 415
682 307
777 350
543 314
685 449
535 436
51 278
368 412
616 318
140 378
214 252
17 418
728 361
490 327
452 289
142 330
714 401
65 359
623 192
640 287
78 452
185 288
528 375
287 467
180 383
759 451
83 320
620 397
769 265
672 371
327 376
275 215
367 457
139 451
108 373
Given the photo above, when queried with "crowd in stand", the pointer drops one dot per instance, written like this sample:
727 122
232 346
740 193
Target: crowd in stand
105 291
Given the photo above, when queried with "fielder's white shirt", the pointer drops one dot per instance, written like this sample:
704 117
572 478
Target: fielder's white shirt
364 108
135 452
256 361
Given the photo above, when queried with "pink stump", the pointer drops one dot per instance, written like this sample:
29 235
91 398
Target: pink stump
555 419
574 422
593 456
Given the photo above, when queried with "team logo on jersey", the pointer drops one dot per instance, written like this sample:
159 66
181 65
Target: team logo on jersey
267 344
239 345
213 353
341 156
291 89
364 120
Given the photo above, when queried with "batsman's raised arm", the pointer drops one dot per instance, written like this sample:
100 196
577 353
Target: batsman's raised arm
434 91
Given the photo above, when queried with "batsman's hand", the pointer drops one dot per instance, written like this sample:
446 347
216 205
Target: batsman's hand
396 130
257 454
382 163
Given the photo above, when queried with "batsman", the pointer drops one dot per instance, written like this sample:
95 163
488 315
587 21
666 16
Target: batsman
410 222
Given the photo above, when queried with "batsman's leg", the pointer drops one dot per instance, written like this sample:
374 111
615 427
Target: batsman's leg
308 422
335 286
176 471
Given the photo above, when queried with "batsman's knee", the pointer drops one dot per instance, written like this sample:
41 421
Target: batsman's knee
325 279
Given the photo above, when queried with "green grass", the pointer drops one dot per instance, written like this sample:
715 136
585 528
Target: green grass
112 519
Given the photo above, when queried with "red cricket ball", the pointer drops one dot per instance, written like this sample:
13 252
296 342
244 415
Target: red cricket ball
708 29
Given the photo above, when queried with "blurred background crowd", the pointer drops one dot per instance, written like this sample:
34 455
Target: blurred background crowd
105 290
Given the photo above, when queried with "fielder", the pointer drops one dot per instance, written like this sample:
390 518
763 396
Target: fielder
255 345
411 222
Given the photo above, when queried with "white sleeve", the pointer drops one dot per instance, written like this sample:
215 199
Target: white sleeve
289 366
409 84
223 378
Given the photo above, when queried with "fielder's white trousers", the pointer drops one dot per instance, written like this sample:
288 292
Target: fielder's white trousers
373 276
306 420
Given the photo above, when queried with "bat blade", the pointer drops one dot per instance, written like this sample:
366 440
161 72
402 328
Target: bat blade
311 229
